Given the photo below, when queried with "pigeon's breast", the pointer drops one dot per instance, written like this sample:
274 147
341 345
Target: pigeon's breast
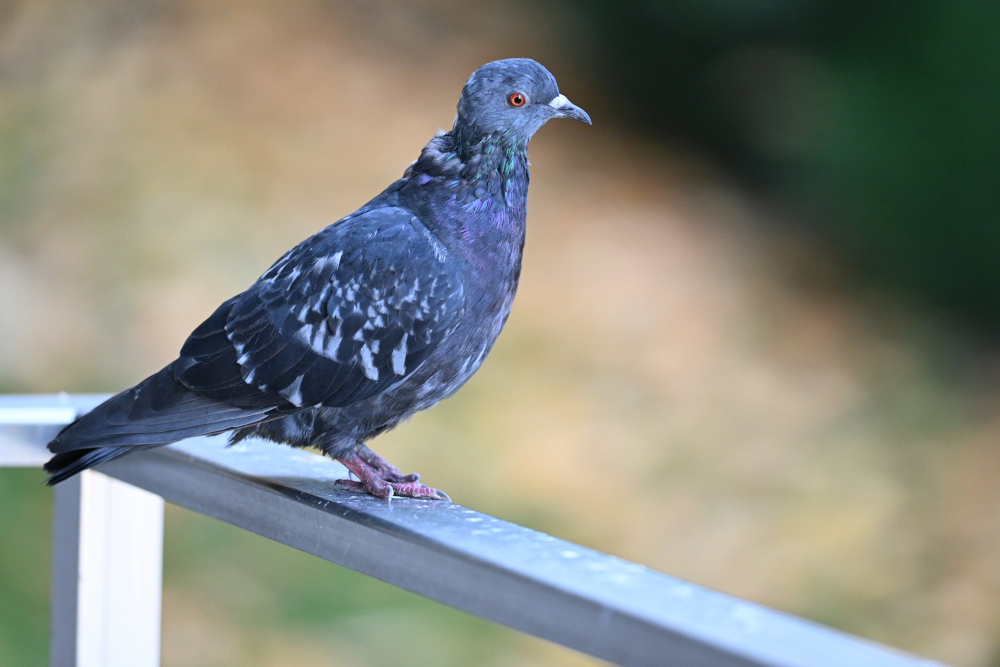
489 294
488 302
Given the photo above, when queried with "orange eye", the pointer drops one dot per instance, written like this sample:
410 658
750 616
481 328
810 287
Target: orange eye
517 99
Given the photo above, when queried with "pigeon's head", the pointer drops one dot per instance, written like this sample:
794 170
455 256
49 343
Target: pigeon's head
514 97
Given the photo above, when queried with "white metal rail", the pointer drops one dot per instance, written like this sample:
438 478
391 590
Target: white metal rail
108 541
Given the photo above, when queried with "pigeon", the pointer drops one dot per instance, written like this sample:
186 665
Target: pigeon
382 314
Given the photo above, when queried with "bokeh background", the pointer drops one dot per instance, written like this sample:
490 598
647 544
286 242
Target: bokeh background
755 344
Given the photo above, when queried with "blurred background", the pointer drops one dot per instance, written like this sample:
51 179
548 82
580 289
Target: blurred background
755 345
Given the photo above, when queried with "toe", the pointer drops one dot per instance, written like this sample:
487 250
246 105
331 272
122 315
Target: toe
415 490
401 478
374 488
349 485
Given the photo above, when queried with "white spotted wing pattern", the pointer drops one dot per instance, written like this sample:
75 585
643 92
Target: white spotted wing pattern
342 316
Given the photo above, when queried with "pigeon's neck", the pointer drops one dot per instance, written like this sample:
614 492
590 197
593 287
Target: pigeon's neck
490 165
471 142
471 191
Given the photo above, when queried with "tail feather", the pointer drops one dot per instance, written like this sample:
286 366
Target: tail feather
63 466
110 432
157 411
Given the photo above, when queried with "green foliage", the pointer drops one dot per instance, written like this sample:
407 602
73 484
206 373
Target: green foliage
24 567
877 122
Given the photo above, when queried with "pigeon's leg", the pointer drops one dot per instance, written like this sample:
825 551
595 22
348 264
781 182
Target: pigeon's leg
371 482
385 470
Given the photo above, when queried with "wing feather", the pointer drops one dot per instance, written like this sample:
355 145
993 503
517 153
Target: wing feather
341 317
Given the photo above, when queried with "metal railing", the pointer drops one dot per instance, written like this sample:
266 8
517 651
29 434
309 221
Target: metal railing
108 532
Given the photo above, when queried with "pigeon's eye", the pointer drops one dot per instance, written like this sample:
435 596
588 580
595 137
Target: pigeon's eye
517 99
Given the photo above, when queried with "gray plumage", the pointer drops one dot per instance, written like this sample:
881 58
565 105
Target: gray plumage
382 314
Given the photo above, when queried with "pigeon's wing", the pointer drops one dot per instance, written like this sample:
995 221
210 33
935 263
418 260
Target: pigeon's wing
340 318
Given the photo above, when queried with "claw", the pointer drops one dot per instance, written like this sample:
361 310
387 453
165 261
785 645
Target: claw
379 478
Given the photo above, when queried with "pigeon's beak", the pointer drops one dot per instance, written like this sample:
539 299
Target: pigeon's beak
566 109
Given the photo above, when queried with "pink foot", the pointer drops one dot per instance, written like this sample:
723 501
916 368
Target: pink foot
383 468
381 479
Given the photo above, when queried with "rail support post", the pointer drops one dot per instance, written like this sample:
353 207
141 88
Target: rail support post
107 568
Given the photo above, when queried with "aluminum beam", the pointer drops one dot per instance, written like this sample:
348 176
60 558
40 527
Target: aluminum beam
544 586
107 564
